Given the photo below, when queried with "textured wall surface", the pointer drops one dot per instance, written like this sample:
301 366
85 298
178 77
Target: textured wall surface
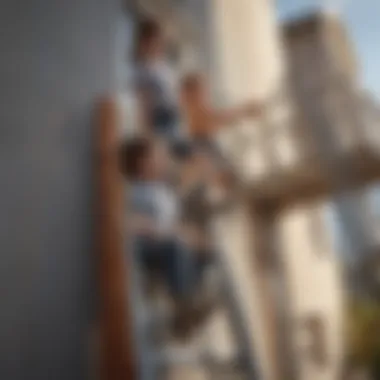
309 257
57 57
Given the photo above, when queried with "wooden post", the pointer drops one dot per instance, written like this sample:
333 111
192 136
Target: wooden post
117 362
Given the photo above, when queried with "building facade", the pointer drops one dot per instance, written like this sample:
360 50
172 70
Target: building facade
324 73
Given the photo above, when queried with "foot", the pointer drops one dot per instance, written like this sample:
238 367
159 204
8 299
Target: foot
191 316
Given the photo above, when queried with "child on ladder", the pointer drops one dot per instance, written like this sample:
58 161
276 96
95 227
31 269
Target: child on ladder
204 121
161 242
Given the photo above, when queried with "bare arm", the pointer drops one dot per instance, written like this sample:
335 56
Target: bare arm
233 115
203 119
140 224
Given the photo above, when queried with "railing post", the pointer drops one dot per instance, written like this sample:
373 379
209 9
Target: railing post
117 362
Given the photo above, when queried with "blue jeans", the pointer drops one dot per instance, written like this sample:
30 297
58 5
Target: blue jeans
165 122
180 268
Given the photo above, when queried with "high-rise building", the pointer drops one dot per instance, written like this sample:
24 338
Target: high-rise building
324 75
323 72
319 43
325 78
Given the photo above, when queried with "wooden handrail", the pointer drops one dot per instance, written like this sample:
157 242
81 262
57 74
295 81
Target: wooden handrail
117 361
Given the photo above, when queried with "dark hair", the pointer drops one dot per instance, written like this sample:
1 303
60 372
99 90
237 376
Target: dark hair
132 154
146 30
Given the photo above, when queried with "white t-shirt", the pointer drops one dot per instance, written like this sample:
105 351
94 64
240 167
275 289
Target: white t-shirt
160 80
157 201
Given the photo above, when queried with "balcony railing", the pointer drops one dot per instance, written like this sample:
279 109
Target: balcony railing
290 154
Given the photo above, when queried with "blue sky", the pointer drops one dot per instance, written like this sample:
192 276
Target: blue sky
363 20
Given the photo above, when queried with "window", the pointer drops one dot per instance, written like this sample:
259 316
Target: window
316 329
373 204
323 226
314 346
317 231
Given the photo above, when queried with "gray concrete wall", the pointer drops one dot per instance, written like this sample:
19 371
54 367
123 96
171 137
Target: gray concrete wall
57 57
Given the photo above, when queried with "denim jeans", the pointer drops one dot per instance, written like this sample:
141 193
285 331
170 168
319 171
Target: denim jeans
165 122
180 268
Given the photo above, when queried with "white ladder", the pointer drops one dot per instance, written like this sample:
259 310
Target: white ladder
155 357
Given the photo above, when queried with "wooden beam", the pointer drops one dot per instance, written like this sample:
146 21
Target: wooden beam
117 362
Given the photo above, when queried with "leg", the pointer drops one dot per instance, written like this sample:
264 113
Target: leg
179 268
194 309
172 261
147 250
184 268
204 259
